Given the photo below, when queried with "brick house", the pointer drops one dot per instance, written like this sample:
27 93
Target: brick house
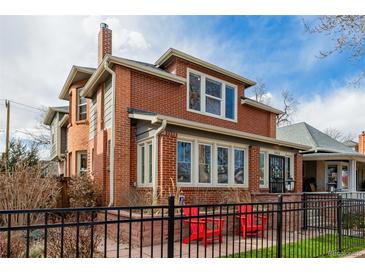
147 129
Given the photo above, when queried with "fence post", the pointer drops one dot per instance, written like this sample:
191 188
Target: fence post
279 227
305 211
339 221
171 227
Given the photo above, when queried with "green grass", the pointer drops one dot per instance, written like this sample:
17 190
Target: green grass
325 246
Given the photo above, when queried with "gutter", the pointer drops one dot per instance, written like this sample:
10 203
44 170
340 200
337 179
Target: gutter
111 175
155 140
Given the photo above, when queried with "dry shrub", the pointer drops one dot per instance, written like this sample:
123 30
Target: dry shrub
83 192
138 197
69 243
17 246
26 188
235 195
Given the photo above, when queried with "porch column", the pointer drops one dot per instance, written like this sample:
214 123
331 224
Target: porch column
352 182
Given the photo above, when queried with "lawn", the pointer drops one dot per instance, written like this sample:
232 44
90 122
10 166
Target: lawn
324 246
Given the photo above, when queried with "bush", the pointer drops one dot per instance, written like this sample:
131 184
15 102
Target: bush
83 192
17 247
26 188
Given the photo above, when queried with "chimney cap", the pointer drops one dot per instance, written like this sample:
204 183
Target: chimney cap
104 25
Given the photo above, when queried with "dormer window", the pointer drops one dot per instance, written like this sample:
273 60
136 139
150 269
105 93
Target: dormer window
211 96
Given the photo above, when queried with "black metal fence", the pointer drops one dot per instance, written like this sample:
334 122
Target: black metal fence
298 226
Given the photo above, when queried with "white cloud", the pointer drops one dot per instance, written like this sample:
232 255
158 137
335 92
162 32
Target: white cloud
343 109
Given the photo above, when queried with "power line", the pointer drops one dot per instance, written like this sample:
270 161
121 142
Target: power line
24 105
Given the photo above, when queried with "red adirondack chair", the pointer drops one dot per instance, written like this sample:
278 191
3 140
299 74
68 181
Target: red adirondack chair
252 224
200 228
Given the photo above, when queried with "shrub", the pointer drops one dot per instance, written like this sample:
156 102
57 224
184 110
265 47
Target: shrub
26 188
83 192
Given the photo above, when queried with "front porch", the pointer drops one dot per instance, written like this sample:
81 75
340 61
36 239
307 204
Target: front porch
322 174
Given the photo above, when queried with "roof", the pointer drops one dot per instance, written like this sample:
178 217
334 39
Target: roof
350 143
100 74
174 52
51 111
338 156
305 134
256 104
158 118
77 73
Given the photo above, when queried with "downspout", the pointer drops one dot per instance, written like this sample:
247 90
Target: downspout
112 145
155 139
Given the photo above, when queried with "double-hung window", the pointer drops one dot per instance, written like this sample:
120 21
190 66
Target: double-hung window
144 163
81 106
81 162
239 166
211 96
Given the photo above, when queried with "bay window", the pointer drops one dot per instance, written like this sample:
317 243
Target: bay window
211 96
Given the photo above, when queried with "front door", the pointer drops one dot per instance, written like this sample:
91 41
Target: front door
276 174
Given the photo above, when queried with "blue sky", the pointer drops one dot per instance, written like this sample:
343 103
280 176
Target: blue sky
40 50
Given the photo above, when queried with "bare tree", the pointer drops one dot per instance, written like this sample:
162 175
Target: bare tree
290 105
260 93
41 134
338 135
348 34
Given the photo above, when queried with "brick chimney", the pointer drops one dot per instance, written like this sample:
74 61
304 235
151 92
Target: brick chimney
104 41
362 143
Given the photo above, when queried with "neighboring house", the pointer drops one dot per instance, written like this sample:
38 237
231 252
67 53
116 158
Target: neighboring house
351 144
328 162
57 119
181 122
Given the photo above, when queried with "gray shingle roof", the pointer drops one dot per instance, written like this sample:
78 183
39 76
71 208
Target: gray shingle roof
305 134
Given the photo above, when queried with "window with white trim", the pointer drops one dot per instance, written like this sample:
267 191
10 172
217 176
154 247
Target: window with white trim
205 164
262 170
222 165
211 96
81 162
239 166
81 106
144 163
184 163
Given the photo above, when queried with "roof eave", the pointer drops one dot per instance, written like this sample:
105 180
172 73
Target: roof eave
173 52
88 89
259 105
216 129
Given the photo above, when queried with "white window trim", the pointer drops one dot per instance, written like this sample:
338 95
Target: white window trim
339 165
78 154
144 182
203 96
191 163
211 162
195 141
269 152
78 91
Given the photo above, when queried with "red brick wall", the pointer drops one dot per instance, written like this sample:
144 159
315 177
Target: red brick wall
164 97
104 43
254 167
362 143
298 172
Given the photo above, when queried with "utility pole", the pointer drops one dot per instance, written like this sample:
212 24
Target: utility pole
7 134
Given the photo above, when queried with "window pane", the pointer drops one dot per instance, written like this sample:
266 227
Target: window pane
287 168
194 91
262 168
213 106
332 175
83 162
230 107
345 177
142 164
204 163
183 162
150 163
213 88
238 166
222 155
